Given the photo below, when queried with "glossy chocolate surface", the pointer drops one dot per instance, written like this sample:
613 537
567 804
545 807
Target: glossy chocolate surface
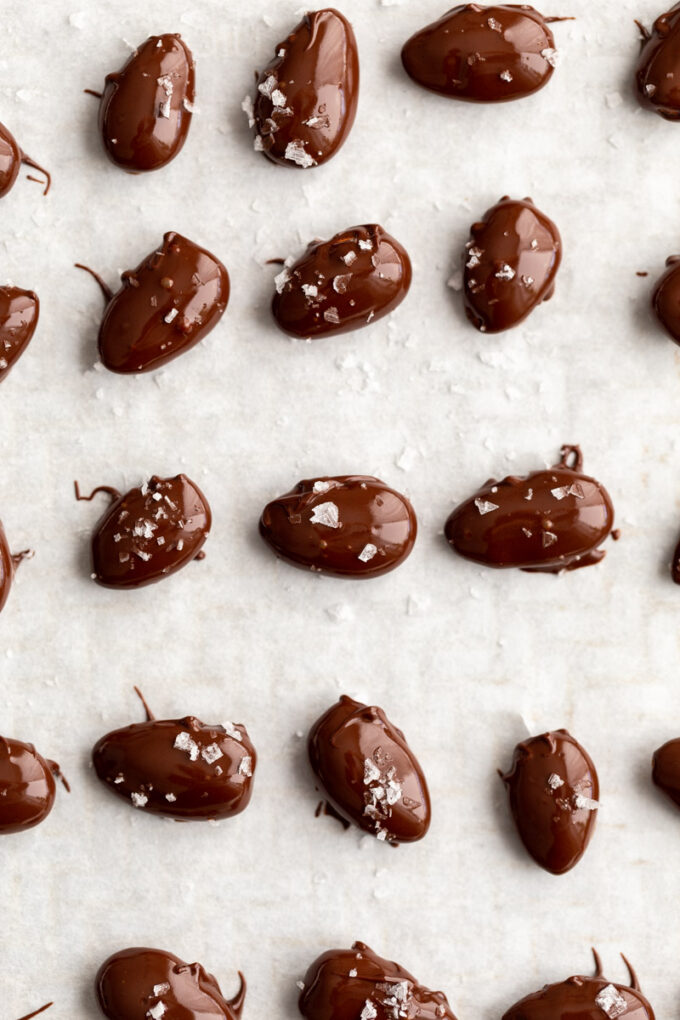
8 564
369 773
347 984
146 107
340 285
170 302
553 790
11 158
27 787
149 532
19 311
666 298
658 71
666 769
306 98
584 998
134 984
483 54
548 521
179 768
348 526
510 262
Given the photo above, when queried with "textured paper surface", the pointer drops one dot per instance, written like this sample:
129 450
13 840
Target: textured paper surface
458 656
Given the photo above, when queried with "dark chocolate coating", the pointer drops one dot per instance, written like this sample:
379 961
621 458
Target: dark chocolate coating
553 790
584 998
483 54
666 769
666 298
348 526
146 107
150 532
548 521
340 285
657 76
133 983
179 768
307 96
173 299
675 565
369 773
357 984
510 262
8 564
19 312
27 787
11 158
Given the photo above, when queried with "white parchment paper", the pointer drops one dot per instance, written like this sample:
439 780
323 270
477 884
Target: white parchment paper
467 661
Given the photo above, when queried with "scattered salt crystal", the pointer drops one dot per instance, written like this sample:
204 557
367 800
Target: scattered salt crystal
246 766
611 1002
555 781
650 89
474 255
139 799
310 290
120 778
366 245
560 492
321 486
157 1011
211 753
258 144
505 76
353 972
548 538
161 989
231 731
249 110
577 490
170 797
527 532
165 82
485 507
506 272
349 258
371 771
494 25
281 279
183 742
332 315
172 315
369 1011
340 283
267 86
368 552
530 495
326 514
613 99
585 803
296 153
300 985
528 281
551 56
278 98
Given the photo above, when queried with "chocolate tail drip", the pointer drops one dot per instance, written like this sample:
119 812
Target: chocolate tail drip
571 450
35 1013
149 714
41 169
598 963
645 34
108 489
60 775
566 17
106 290
236 1004
634 983
91 92
25 554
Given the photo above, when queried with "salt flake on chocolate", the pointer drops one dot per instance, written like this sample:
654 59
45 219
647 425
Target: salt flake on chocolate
183 742
585 803
555 781
368 552
326 514
211 753
296 153
369 1012
506 272
139 800
231 730
611 1002
485 507
268 86
371 771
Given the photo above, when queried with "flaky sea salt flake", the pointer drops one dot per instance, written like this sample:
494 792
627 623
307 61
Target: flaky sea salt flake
326 514
183 742
485 507
296 153
611 1002
368 552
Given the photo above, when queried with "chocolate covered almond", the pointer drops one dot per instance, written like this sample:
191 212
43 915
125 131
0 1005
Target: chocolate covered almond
340 285
19 311
657 76
357 984
348 526
666 769
306 97
666 298
178 768
170 302
546 522
510 261
9 562
369 773
146 107
585 998
553 790
138 983
27 787
149 532
483 54
11 158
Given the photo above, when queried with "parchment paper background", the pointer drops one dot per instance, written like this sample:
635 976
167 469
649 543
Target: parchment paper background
457 656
